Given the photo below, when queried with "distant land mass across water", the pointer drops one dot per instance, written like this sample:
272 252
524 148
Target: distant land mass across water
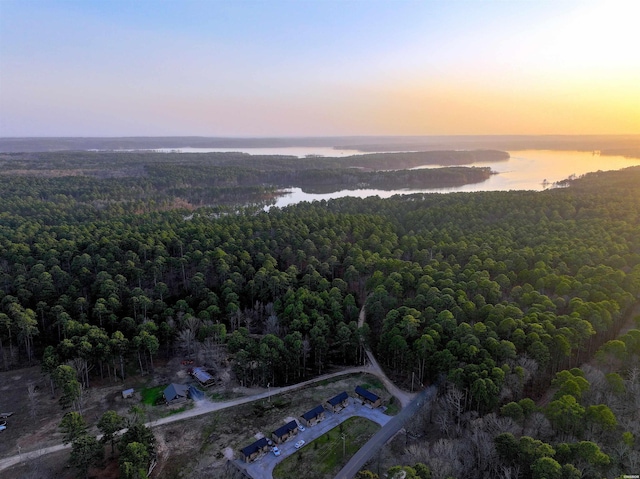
623 145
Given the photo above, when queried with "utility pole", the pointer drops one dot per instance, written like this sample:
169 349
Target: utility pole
269 391
343 445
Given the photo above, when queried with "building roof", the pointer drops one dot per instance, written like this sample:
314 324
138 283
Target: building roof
287 428
365 393
343 396
256 446
195 393
201 375
315 412
174 391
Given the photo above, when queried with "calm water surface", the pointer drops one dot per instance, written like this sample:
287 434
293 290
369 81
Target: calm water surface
525 170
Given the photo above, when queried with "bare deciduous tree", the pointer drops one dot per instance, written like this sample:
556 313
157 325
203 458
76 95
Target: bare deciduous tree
272 325
32 394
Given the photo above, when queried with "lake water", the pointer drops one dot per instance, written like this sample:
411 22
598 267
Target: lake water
525 170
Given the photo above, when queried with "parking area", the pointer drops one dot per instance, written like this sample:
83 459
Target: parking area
262 467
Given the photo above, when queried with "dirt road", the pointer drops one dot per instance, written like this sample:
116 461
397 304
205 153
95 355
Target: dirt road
206 407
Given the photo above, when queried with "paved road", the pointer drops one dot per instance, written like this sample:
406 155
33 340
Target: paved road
206 407
263 467
374 444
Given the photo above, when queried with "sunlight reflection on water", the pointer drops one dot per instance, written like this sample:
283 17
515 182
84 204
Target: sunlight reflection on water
526 170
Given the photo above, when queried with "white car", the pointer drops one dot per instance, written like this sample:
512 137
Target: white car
301 428
300 443
276 451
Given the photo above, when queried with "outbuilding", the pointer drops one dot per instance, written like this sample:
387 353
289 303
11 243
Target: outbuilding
204 378
339 402
252 451
314 416
367 397
128 393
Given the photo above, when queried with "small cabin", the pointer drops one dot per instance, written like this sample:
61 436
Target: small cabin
252 451
339 402
313 417
367 397
285 432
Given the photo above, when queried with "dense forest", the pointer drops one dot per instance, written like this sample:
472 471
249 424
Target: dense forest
130 182
498 293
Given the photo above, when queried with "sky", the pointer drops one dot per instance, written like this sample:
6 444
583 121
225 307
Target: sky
318 67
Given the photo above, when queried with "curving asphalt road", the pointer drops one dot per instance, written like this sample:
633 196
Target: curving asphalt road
379 439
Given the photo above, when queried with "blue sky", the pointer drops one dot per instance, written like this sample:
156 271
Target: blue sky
318 67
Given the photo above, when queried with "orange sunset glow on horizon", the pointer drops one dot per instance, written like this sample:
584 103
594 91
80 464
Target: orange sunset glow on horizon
71 68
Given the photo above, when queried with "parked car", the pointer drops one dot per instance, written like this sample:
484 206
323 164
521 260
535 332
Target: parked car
300 443
276 451
301 427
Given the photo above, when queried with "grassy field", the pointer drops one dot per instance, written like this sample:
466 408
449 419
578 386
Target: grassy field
324 457
151 395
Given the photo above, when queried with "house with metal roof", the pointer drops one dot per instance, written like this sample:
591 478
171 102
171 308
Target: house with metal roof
174 393
203 377
252 451
314 416
285 432
367 397
339 402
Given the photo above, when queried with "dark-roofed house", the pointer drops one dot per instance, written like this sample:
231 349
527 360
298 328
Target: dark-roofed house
175 393
339 402
368 397
203 377
285 432
314 416
251 452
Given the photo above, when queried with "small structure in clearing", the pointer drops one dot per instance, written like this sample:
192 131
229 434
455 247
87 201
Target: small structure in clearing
195 393
285 432
175 393
314 416
251 452
203 377
127 393
339 402
367 397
